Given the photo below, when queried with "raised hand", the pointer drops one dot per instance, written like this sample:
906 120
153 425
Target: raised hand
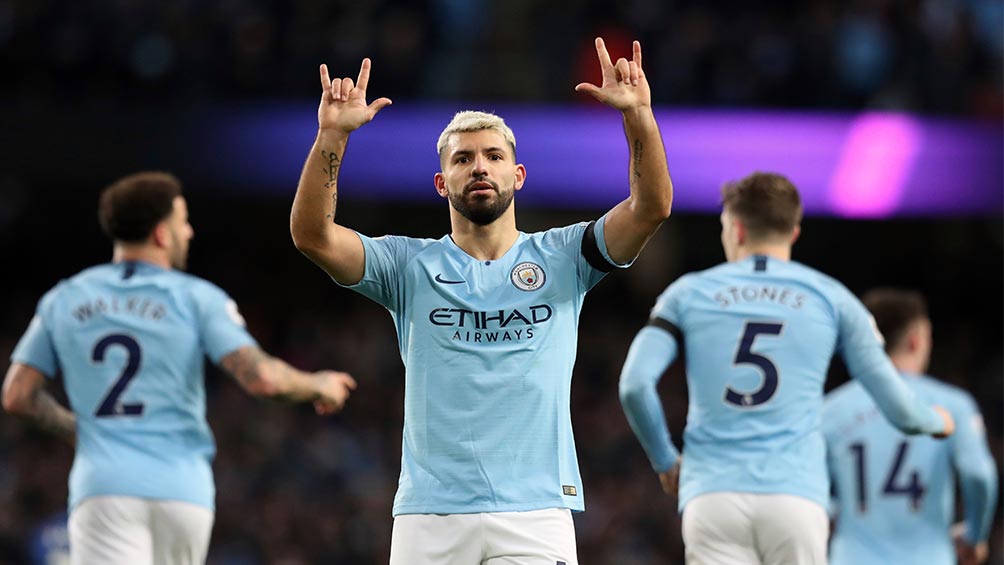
333 389
343 103
624 85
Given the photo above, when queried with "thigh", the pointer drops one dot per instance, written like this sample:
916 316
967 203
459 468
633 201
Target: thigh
181 532
718 528
110 530
436 539
538 537
791 529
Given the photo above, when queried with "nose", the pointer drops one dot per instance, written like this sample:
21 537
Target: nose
480 168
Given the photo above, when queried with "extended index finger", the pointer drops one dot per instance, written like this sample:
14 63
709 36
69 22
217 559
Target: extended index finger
601 52
637 53
325 79
364 75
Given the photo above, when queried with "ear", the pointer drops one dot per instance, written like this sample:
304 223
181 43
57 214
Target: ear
520 176
795 233
161 236
913 339
739 229
440 181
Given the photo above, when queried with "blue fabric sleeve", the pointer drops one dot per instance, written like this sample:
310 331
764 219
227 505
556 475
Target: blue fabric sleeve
35 347
652 351
862 350
976 470
221 325
384 256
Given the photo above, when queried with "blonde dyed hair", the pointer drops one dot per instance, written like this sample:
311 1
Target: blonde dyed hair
469 120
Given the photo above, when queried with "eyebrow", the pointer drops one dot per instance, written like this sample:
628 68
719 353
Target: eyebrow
461 152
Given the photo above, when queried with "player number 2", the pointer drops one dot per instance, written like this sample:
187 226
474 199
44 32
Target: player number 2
893 486
111 406
745 355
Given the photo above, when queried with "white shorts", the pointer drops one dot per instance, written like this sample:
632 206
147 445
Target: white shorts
538 537
734 527
127 530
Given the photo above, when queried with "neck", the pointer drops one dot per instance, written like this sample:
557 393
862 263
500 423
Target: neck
140 252
905 362
780 251
484 243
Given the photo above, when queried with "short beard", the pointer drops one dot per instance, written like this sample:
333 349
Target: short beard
177 256
483 213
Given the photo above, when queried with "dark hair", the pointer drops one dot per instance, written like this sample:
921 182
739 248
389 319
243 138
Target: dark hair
894 310
766 203
130 208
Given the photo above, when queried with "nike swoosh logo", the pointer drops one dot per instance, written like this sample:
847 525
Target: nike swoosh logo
440 279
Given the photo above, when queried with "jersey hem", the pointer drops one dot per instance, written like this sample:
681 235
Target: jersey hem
404 509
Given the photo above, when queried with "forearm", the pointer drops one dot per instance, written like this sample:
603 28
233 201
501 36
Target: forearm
650 353
46 413
312 219
261 374
651 186
895 400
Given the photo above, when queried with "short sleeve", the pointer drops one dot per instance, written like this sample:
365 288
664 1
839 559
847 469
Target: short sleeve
35 348
221 326
381 277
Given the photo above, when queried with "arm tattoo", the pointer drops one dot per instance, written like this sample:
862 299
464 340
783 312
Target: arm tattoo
54 418
332 169
243 365
637 160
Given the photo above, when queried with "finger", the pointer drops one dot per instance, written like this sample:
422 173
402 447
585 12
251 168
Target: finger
589 88
623 70
364 74
347 86
601 52
636 56
379 104
336 89
325 79
349 381
633 70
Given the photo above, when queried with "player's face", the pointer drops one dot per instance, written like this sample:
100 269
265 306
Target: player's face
181 233
480 175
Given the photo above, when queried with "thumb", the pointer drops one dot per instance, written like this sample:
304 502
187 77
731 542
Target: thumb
588 88
379 104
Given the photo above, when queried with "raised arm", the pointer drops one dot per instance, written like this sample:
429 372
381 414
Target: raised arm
24 395
631 223
316 234
260 374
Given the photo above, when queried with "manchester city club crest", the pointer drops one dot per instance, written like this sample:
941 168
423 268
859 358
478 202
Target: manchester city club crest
527 276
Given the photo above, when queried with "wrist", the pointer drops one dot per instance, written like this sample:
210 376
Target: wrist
638 113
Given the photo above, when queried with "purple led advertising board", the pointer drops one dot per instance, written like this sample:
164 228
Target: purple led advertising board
868 165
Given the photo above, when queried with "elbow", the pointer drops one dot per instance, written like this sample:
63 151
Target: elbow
16 404
630 390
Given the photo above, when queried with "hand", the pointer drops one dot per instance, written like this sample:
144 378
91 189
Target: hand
624 84
343 104
949 423
670 480
333 390
968 554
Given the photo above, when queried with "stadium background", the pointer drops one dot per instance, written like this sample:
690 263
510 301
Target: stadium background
94 92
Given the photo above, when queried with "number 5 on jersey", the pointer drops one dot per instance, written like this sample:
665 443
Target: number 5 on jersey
745 355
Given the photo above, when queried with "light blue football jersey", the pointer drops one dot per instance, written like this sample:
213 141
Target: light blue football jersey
757 336
130 340
488 349
896 494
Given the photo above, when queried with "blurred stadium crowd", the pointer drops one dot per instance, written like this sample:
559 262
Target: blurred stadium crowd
932 56
295 488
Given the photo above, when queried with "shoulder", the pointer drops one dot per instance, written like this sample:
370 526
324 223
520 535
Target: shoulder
952 397
562 235
843 395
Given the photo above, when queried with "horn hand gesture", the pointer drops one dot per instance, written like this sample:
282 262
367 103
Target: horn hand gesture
343 103
624 85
